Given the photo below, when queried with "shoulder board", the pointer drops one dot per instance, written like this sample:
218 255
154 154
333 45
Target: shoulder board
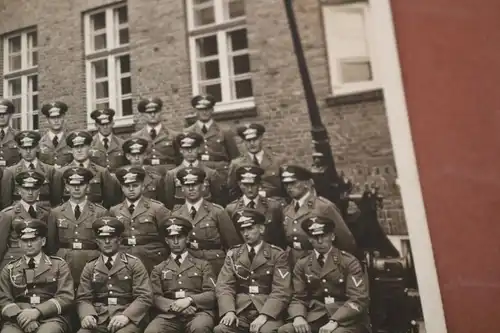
7 209
155 201
217 206
177 207
233 249
47 209
276 247
98 206
234 202
55 257
130 256
94 259
323 200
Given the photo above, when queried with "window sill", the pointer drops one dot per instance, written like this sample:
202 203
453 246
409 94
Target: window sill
229 111
355 97
122 125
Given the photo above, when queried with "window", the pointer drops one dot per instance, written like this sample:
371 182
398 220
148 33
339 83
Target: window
21 77
220 57
350 48
107 61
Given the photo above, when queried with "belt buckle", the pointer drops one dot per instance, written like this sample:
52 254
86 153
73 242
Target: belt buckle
112 301
155 161
205 157
194 244
180 294
253 289
77 245
297 246
34 300
131 241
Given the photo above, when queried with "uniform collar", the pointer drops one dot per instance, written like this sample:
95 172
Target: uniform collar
101 137
27 205
259 156
302 200
187 164
52 135
81 204
86 163
157 128
34 162
136 203
37 258
183 256
113 258
256 247
196 205
246 200
207 124
326 254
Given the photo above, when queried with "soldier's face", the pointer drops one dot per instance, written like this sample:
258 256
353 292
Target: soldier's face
135 159
29 195
254 145
105 129
322 243
77 192
28 154
56 123
81 153
190 154
153 118
4 119
108 245
297 189
205 115
252 234
250 190
133 190
193 192
32 247
177 243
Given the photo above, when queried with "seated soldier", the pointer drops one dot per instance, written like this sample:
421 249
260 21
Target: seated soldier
254 285
36 290
114 293
330 286
183 286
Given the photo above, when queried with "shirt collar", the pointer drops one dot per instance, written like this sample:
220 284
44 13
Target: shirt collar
52 135
259 155
196 205
86 163
136 203
27 164
37 258
157 128
183 256
101 137
207 124
187 164
81 204
27 205
326 254
256 247
302 200
246 200
5 129
113 258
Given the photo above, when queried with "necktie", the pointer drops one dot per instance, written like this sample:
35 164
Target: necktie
32 212
55 141
255 160
31 263
2 134
77 212
193 212
251 204
296 207
105 143
251 254
204 129
81 165
321 259
131 209
153 133
178 260
31 166
109 263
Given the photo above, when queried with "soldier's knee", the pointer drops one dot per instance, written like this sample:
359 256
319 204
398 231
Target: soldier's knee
199 328
51 328
152 328
287 328
84 330
222 329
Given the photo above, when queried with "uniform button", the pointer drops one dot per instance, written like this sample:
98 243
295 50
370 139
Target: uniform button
110 292
217 255
294 237
251 272
253 280
180 282
110 285
294 230
324 281
159 253
326 290
180 275
133 236
207 224
295 222
76 232
194 233
109 277
132 228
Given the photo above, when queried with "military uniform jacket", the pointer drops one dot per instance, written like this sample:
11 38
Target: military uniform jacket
51 290
125 289
265 282
112 158
162 150
338 290
56 156
9 239
154 185
7 188
273 210
194 278
9 153
271 182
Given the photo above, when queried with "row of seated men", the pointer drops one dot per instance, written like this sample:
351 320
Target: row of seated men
255 290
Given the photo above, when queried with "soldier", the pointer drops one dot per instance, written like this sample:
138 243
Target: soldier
26 209
7 188
305 202
330 287
53 147
213 231
28 143
70 224
103 188
220 147
36 290
162 151
189 146
256 155
254 285
115 293
142 217
183 286
106 148
9 155
249 178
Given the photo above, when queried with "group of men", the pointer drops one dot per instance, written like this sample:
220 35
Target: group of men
168 231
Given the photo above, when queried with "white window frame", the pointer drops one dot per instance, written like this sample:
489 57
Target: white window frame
219 28
112 51
24 73
337 87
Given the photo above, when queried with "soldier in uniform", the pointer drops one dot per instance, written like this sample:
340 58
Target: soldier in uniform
28 143
189 146
9 155
106 148
70 224
330 287
183 286
103 188
220 146
115 293
254 285
249 178
7 188
252 137
36 290
213 231
163 153
53 147
26 209
305 202
142 217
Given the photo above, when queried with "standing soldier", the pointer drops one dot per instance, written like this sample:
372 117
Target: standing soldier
220 147
142 217
162 151
256 155
36 290
254 285
9 155
298 183
249 178
25 209
330 287
183 286
213 231
115 293
53 147
189 146
70 224
106 148
103 188
28 143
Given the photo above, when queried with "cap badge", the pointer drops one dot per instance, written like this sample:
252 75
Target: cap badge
78 140
151 106
27 141
29 182
187 142
76 179
130 177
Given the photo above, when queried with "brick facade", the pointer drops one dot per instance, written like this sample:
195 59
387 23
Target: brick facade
160 66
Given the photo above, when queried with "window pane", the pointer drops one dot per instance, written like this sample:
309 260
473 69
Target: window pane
124 64
98 21
100 106
241 64
127 107
17 104
355 71
100 68
35 121
122 15
34 58
201 2
15 87
101 90
15 44
14 63
16 123
124 37
235 8
33 83
126 86
100 42
243 88
238 39
214 90
204 16
209 70
207 46
34 102
32 40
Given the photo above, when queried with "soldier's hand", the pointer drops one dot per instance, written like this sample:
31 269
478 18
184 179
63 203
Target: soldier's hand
89 322
31 327
117 322
257 323
300 325
180 304
26 316
230 319
189 311
328 327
